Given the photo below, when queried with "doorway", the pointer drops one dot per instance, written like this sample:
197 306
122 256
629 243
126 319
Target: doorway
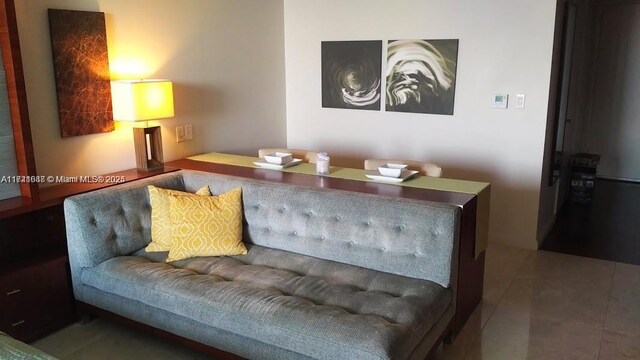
603 118
613 127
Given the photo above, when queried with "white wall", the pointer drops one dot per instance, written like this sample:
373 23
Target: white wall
613 129
225 57
505 46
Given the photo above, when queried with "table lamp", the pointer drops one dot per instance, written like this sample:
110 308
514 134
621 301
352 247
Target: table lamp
143 100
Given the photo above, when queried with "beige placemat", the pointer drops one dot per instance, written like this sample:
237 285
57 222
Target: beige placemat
481 189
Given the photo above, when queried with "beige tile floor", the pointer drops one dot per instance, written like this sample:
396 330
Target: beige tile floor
537 305
544 305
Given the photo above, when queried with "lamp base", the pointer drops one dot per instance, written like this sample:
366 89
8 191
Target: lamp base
148 146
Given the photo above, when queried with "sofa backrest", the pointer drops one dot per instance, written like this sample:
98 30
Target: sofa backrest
400 236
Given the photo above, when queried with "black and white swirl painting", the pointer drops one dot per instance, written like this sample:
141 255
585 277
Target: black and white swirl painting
421 76
351 74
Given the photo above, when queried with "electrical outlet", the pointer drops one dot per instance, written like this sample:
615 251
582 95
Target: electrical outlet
188 132
179 133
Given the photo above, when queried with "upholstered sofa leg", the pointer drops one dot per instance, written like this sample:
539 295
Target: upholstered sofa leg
86 318
84 314
450 337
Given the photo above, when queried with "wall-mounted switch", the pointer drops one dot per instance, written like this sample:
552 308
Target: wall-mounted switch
499 101
188 132
520 101
179 133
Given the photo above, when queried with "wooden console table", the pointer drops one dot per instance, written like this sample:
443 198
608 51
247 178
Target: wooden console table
470 266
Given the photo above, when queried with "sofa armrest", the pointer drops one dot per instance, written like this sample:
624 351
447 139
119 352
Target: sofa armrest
111 222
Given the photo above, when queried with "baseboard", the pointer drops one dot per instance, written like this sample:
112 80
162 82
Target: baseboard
546 230
508 241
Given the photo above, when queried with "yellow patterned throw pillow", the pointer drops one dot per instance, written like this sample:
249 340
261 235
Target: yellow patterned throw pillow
206 225
161 237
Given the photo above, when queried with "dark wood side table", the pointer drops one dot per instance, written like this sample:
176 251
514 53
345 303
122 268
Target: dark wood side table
35 286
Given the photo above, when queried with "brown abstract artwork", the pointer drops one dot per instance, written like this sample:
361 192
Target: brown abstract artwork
81 66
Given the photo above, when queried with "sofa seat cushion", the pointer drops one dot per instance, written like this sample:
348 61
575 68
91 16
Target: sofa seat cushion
312 306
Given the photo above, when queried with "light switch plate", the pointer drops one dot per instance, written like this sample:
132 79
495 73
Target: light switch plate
188 132
520 101
499 101
179 133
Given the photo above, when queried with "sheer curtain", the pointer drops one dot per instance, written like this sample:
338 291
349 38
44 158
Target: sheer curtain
9 187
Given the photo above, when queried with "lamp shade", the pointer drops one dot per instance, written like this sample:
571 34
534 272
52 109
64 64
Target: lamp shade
141 100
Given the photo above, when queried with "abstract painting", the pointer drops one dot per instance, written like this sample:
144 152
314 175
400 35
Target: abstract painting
81 67
351 74
421 76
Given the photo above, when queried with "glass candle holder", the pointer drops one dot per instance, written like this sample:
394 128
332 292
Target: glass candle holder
323 163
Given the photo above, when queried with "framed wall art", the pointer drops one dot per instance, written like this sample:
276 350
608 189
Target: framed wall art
351 74
421 76
81 67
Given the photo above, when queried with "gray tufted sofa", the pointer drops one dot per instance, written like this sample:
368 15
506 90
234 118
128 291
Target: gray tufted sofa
329 274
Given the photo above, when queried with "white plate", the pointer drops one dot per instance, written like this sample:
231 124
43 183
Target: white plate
265 165
375 175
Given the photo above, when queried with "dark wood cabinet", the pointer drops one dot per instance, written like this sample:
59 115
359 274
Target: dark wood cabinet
35 293
36 299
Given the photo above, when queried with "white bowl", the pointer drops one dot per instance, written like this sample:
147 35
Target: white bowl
392 170
278 158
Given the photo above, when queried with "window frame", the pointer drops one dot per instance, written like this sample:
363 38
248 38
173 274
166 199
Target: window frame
12 62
